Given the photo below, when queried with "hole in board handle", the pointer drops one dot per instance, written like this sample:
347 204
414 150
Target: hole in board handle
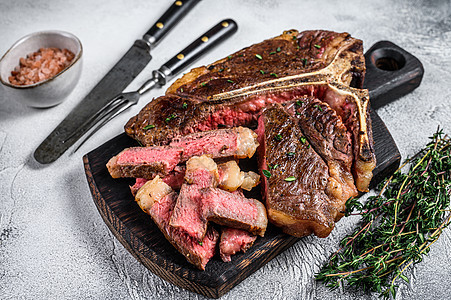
388 59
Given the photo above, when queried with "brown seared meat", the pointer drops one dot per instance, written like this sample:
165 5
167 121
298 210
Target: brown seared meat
328 136
294 177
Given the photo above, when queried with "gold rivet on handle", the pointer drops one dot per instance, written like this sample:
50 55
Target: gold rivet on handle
178 3
180 56
225 24
160 25
205 39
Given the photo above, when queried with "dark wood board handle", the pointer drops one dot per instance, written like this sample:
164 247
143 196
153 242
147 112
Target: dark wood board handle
139 235
391 72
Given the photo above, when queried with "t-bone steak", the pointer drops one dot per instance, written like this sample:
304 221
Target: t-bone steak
325 65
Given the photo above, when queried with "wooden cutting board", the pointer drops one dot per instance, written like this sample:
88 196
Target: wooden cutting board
391 72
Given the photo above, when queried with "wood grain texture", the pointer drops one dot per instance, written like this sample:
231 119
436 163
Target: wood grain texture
142 238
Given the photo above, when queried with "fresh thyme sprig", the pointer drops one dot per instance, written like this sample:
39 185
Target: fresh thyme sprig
398 226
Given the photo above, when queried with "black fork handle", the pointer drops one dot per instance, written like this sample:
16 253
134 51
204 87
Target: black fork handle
217 34
168 20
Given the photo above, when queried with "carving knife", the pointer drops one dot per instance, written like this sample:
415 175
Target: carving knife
113 83
217 34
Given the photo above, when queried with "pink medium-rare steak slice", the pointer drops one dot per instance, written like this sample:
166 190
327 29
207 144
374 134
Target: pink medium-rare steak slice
239 142
233 241
232 92
294 177
144 162
158 200
196 206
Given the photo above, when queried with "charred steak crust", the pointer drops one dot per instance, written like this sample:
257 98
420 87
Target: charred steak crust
232 91
328 136
296 179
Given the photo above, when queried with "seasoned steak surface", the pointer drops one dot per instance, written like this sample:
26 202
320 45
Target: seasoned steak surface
295 177
233 91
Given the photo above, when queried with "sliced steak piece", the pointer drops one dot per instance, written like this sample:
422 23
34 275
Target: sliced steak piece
296 179
144 162
233 91
174 179
202 171
236 142
196 206
233 241
231 178
328 136
158 200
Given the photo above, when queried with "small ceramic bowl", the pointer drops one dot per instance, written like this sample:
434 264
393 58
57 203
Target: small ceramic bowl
51 91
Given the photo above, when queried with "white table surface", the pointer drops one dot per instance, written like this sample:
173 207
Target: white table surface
53 242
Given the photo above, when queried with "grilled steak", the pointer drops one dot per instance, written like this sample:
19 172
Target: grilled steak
158 200
196 206
237 142
233 241
296 179
330 139
147 162
144 162
232 92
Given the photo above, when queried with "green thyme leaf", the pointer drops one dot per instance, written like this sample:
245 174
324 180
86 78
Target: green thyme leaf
228 80
397 226
317 46
170 118
266 173
184 105
291 178
278 49
261 71
258 56
278 137
303 139
150 126
273 74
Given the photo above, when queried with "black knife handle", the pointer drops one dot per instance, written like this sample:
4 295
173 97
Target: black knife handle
391 72
168 20
205 42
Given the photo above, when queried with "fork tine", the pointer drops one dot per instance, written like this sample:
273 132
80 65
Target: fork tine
111 105
101 124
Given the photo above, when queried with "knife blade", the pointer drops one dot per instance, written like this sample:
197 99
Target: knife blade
114 82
